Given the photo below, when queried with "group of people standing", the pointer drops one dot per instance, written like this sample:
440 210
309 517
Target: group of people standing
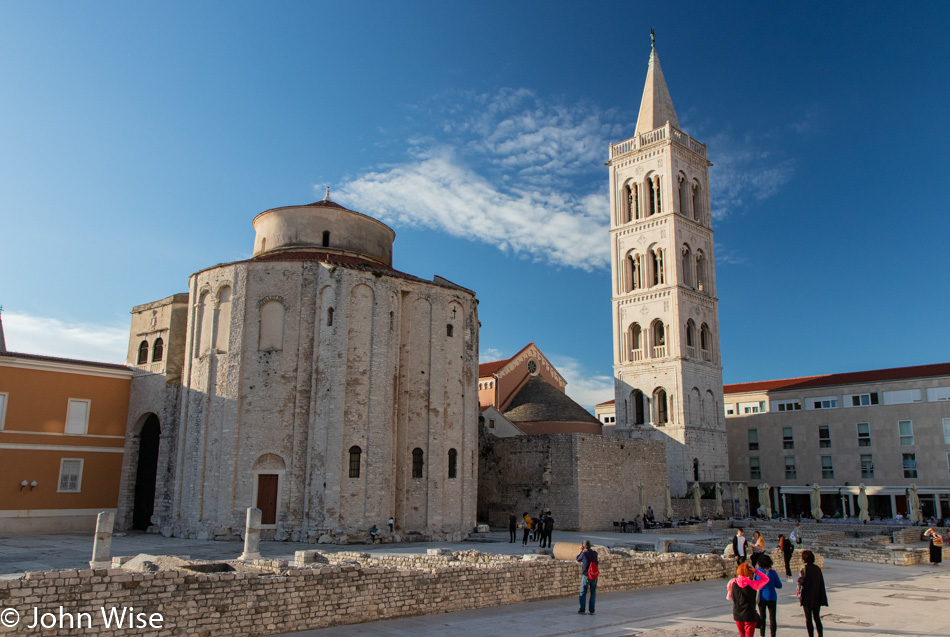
753 590
539 529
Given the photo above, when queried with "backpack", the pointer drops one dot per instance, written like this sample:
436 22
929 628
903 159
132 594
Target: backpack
592 571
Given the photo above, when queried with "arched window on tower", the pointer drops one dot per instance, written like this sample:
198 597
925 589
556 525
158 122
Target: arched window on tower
654 204
685 197
158 350
271 336
687 265
417 463
659 276
626 204
453 463
639 415
326 238
635 343
700 271
695 469
705 342
222 321
659 339
634 272
143 353
697 202
355 453
690 338
329 317
662 413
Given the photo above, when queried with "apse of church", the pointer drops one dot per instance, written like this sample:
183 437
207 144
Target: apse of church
322 386
667 368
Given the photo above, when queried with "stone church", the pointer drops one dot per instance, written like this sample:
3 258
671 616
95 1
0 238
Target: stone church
312 381
667 367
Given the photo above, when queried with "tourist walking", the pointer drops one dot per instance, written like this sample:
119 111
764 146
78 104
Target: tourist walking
392 524
526 520
811 593
512 527
768 597
547 530
589 576
936 546
796 536
739 546
787 548
757 548
741 590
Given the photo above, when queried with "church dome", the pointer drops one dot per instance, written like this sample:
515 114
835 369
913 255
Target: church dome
325 225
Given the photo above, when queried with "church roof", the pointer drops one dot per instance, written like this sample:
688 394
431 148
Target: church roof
656 106
489 368
539 401
54 359
846 378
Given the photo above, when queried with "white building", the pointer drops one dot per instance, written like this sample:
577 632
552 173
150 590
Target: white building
888 429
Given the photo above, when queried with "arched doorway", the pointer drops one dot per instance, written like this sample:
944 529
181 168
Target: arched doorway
145 474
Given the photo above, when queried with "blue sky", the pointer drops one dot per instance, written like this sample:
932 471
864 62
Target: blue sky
140 139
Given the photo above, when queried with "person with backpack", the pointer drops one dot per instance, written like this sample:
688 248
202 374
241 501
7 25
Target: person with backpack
768 597
589 575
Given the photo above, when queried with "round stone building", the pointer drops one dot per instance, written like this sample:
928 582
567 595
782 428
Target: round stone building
319 385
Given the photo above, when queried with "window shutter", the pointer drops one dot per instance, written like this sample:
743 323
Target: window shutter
77 415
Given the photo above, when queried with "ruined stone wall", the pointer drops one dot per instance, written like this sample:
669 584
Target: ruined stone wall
586 481
297 599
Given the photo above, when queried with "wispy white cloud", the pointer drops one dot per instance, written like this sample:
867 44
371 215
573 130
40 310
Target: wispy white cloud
28 334
491 354
585 388
745 170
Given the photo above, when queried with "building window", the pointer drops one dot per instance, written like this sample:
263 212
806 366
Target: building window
906 429
705 342
825 403
639 415
730 410
329 317
863 400
902 397
662 411
417 463
326 238
864 434
791 473
788 405
946 424
753 440
70 475
753 407
453 463
827 467
3 409
824 436
867 466
755 470
158 350
355 453
77 416
909 461
788 439
491 423
143 353
449 329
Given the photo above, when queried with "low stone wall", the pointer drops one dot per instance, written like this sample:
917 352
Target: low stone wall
294 599
899 557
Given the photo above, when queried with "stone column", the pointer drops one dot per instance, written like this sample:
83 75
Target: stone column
252 536
102 545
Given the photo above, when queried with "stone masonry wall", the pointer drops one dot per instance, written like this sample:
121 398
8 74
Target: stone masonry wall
327 595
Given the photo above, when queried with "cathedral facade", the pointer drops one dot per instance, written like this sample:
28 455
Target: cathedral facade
667 368
312 381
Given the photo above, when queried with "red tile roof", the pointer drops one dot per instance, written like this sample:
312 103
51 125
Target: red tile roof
70 361
846 378
606 402
487 369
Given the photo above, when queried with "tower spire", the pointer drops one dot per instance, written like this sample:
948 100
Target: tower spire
656 106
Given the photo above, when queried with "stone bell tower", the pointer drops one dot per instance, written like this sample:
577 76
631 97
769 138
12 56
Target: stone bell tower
667 368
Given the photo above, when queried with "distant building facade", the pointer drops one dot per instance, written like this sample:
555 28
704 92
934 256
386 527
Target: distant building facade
62 424
529 393
312 381
887 429
667 366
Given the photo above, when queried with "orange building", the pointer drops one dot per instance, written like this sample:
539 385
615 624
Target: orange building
62 432
529 392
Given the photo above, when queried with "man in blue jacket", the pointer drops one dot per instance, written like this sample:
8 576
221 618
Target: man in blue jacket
587 557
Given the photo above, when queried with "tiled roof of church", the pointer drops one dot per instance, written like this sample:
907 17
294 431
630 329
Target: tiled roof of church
487 369
846 378
539 401
70 361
